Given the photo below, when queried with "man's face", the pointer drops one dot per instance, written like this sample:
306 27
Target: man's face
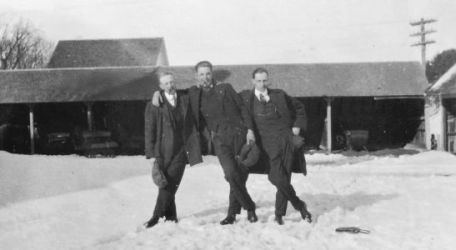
167 84
204 76
260 81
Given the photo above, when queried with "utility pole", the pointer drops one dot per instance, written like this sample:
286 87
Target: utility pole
422 34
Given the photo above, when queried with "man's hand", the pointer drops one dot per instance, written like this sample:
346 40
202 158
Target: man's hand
157 99
296 130
250 136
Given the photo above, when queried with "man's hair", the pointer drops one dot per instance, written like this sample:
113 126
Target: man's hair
259 71
164 73
203 64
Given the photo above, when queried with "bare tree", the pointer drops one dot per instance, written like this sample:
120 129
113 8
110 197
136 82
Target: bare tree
22 46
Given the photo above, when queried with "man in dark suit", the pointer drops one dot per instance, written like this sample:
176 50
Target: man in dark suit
224 124
219 108
170 138
276 119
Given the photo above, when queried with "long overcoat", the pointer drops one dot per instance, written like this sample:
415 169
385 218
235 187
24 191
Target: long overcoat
294 115
158 126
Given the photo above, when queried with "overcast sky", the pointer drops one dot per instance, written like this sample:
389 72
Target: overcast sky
245 31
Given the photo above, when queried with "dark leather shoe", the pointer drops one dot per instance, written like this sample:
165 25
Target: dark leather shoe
152 222
278 219
172 218
306 215
251 216
228 220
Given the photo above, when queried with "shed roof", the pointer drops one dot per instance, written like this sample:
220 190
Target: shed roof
446 85
106 53
77 84
328 79
395 79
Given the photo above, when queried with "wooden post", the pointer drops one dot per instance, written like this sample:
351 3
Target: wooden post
89 115
443 128
31 129
328 124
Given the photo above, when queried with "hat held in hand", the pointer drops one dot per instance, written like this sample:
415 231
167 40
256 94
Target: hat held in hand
249 155
158 176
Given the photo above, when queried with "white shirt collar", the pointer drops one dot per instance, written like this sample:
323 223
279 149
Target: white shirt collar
171 98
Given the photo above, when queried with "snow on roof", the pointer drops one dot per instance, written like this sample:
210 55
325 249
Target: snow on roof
446 83
106 52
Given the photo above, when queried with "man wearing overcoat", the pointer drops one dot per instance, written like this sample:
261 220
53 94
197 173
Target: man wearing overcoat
277 121
172 140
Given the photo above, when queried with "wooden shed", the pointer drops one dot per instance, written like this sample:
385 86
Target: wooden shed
385 99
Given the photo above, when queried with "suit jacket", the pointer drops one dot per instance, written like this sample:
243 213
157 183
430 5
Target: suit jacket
158 125
234 111
294 114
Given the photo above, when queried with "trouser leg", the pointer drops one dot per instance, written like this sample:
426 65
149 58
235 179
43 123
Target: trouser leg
281 203
171 212
234 206
280 176
174 170
226 146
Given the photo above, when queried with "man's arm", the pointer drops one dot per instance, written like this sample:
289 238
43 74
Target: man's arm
157 99
244 112
298 114
150 130
245 115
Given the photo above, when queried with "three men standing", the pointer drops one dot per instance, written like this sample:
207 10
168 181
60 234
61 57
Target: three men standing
224 123
214 114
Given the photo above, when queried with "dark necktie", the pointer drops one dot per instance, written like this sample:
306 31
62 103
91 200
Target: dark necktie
262 99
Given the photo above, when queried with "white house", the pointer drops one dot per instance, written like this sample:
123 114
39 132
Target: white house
440 112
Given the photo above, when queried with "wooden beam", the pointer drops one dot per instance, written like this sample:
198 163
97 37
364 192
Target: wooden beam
89 115
444 119
329 124
31 129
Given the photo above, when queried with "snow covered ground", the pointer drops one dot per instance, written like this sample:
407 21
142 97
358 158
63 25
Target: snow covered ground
405 198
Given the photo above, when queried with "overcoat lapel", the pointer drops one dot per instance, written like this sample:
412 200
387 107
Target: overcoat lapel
183 104
195 96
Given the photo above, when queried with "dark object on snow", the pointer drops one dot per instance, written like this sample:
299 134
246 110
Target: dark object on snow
249 155
251 216
306 215
230 219
279 220
353 230
158 176
152 222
